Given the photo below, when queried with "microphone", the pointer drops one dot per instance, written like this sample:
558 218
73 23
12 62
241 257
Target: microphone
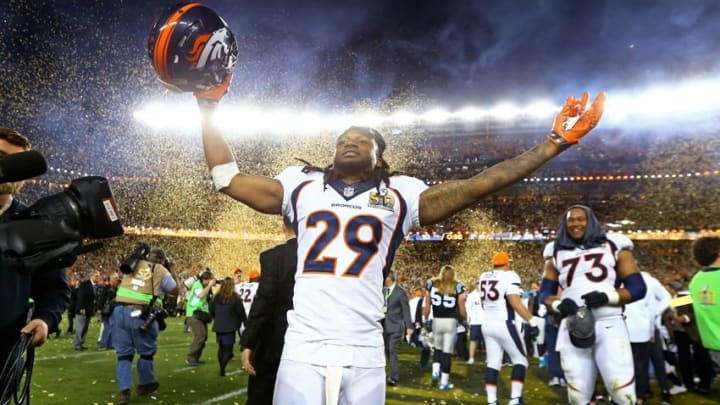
21 166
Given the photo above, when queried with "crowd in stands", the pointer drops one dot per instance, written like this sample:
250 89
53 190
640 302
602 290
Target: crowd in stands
162 182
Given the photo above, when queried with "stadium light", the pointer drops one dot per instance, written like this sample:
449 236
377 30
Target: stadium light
652 106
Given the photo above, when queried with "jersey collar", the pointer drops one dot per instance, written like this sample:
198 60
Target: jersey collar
350 191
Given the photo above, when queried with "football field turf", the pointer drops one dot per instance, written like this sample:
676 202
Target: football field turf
63 376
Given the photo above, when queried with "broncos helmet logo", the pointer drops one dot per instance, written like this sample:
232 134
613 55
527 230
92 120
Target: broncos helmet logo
215 48
194 54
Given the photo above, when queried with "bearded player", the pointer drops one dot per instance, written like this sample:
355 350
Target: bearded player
590 266
350 216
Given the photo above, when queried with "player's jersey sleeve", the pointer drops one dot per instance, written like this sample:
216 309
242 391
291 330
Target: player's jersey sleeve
410 189
290 179
549 250
621 242
429 285
459 288
513 283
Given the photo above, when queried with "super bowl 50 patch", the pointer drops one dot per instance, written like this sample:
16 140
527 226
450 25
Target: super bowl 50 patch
381 200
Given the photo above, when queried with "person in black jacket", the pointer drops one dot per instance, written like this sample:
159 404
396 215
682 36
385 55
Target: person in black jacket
85 309
264 334
229 313
73 304
47 287
105 305
397 323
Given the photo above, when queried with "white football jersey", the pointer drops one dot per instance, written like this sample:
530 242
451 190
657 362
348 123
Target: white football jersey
247 292
494 287
584 270
473 307
347 235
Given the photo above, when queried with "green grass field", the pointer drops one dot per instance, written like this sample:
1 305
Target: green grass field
64 376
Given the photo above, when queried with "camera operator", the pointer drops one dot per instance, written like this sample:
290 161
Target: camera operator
197 311
48 288
134 324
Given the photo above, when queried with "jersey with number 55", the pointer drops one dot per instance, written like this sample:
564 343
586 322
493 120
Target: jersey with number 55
347 235
581 271
444 305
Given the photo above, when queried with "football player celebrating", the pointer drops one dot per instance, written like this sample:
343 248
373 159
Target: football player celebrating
350 216
447 297
589 265
500 292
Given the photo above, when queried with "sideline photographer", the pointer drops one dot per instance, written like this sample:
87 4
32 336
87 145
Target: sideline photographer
197 311
48 287
138 318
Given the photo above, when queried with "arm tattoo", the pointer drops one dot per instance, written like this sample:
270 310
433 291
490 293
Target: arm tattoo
443 200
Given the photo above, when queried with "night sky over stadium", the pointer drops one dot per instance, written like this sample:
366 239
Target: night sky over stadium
74 72
331 53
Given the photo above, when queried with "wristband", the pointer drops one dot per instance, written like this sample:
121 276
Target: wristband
613 298
223 174
559 140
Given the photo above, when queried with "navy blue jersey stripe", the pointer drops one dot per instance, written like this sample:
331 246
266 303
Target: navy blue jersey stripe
510 310
398 234
516 337
293 201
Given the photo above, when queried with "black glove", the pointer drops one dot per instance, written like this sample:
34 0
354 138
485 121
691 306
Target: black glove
595 299
534 332
428 326
567 307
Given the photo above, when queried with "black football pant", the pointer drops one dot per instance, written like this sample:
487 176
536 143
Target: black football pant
641 360
696 363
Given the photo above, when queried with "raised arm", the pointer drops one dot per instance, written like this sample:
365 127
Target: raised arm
260 193
443 200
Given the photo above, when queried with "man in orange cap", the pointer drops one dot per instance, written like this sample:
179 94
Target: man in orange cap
500 289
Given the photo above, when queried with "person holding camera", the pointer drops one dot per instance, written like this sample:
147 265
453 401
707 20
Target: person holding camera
197 311
48 288
136 321
105 304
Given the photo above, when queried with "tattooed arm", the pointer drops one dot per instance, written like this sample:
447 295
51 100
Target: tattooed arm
443 200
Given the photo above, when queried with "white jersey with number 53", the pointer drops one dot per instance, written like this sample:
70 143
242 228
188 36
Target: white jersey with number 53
581 271
347 235
494 287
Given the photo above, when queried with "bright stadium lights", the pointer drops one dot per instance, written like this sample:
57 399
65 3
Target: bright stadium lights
470 114
504 111
403 117
685 101
436 116
541 109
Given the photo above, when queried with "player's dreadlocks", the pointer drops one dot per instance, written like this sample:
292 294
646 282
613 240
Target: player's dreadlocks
379 174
